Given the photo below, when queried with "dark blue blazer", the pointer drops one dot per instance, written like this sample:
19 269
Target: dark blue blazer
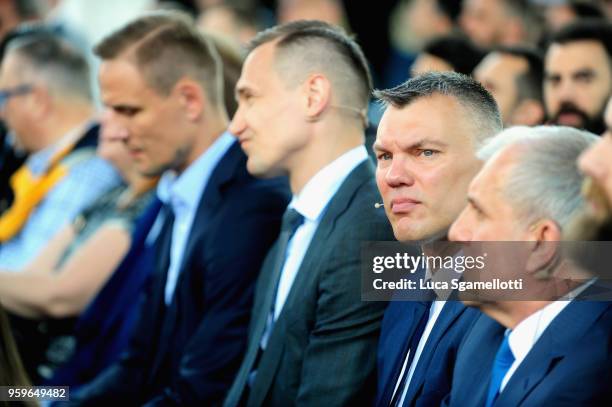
569 365
187 353
431 380
103 330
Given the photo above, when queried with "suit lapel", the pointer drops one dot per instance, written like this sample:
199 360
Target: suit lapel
559 339
209 201
336 207
451 311
411 314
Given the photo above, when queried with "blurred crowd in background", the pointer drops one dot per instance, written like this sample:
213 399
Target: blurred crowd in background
85 211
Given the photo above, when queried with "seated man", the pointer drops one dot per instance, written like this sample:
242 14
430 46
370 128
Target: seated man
426 151
161 83
540 350
303 95
47 105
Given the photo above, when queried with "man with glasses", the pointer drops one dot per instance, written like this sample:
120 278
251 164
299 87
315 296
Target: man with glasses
45 101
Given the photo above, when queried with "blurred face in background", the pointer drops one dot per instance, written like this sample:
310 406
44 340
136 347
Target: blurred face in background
20 110
426 21
499 73
577 84
483 21
429 63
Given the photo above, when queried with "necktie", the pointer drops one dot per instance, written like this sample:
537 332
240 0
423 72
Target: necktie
503 360
412 347
292 220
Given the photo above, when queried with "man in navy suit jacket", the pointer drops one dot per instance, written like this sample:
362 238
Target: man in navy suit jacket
161 82
549 348
426 151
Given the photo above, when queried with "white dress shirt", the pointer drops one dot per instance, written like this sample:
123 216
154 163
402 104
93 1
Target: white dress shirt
183 194
525 335
434 313
311 203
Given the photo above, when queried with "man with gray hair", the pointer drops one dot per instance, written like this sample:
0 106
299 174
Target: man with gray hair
540 350
426 151
45 100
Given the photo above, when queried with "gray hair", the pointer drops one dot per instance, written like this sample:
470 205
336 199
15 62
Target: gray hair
59 65
480 107
546 181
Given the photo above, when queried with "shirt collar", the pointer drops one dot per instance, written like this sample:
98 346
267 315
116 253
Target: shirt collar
319 190
39 161
185 190
528 331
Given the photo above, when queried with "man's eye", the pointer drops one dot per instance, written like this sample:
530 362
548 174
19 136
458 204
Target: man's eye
553 80
586 77
127 111
427 153
383 156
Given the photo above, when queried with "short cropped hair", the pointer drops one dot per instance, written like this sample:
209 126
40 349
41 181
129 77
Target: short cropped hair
60 66
546 181
457 50
585 30
308 45
478 103
529 83
167 46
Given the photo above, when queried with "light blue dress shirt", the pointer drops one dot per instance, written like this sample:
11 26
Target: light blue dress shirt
183 193
88 178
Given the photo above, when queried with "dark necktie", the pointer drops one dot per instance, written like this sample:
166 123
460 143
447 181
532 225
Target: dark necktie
292 220
239 390
412 347
503 360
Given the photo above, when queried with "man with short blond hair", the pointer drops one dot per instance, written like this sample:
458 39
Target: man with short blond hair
161 83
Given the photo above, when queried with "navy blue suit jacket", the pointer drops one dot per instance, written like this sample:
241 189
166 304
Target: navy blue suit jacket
569 365
103 330
187 353
431 379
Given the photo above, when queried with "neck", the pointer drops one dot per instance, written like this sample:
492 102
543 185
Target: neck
137 185
328 142
512 313
64 119
210 129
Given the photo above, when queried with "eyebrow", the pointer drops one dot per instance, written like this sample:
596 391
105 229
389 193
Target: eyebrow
415 145
376 146
242 90
475 204
584 72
